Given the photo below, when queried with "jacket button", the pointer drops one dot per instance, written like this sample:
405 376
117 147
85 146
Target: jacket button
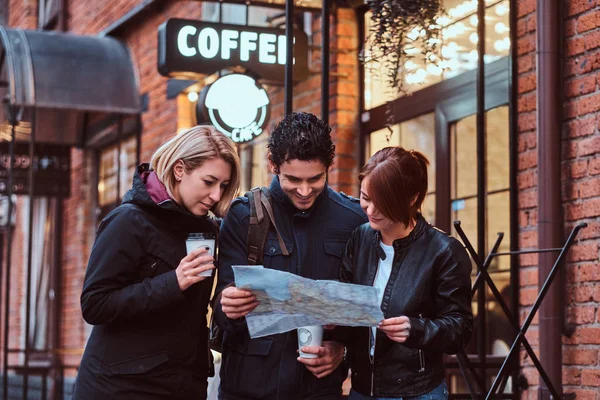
272 250
399 380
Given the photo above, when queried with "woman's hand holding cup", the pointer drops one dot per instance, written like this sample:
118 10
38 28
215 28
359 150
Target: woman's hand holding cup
191 266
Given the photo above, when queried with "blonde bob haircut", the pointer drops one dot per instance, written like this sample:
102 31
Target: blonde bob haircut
194 146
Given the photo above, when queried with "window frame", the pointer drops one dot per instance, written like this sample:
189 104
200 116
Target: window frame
119 137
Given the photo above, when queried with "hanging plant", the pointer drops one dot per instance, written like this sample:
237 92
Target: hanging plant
401 30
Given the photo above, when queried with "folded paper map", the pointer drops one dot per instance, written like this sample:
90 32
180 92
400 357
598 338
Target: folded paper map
288 301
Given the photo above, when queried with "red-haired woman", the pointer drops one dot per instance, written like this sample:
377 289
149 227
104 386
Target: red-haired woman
423 279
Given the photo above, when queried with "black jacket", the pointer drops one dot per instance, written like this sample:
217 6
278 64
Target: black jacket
430 283
266 368
149 339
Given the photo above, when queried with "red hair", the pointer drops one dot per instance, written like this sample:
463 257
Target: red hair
397 182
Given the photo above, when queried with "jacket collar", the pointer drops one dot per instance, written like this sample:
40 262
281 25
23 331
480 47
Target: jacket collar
404 242
145 192
155 188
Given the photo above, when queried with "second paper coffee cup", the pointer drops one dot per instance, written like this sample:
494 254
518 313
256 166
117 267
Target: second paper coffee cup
309 336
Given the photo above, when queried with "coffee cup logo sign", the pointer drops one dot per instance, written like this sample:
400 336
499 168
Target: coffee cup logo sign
236 106
187 47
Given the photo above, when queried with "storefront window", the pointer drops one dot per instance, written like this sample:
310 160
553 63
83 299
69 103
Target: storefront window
417 134
117 165
463 202
458 49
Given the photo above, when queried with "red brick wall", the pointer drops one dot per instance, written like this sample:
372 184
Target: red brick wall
527 175
23 14
91 17
581 193
344 104
580 166
78 226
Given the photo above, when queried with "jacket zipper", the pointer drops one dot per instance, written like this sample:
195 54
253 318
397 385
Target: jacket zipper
372 359
374 344
421 355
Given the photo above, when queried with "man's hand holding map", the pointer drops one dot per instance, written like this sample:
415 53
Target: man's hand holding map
287 301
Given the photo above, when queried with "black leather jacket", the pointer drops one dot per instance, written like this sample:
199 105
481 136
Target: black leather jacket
430 283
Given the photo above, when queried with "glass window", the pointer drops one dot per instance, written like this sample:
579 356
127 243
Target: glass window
499 221
498 181
260 168
463 142
460 37
417 134
117 165
232 13
43 309
463 166
465 211
377 91
262 16
498 156
255 168
128 163
236 14
383 138
107 177
245 153
458 49
464 206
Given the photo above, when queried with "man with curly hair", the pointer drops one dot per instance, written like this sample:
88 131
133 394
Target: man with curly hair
315 223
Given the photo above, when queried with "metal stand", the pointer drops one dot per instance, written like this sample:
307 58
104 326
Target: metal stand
484 277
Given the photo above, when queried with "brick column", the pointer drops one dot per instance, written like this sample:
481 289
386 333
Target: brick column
580 167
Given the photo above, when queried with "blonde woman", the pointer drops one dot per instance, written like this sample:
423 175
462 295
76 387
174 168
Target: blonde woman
142 291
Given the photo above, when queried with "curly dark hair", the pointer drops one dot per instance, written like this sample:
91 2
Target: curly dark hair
301 136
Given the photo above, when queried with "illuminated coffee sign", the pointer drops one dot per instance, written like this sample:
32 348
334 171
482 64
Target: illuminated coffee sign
186 46
236 105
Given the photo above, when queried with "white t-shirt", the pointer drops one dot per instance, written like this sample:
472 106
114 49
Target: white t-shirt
384 270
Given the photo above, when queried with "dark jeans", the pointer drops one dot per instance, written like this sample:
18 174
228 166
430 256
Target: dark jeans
439 393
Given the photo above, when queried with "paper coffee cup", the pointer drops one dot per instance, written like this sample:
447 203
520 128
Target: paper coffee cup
196 240
309 336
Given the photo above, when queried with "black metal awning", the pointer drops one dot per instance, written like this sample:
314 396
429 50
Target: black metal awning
67 79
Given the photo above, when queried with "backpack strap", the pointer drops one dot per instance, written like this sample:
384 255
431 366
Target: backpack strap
260 202
266 202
